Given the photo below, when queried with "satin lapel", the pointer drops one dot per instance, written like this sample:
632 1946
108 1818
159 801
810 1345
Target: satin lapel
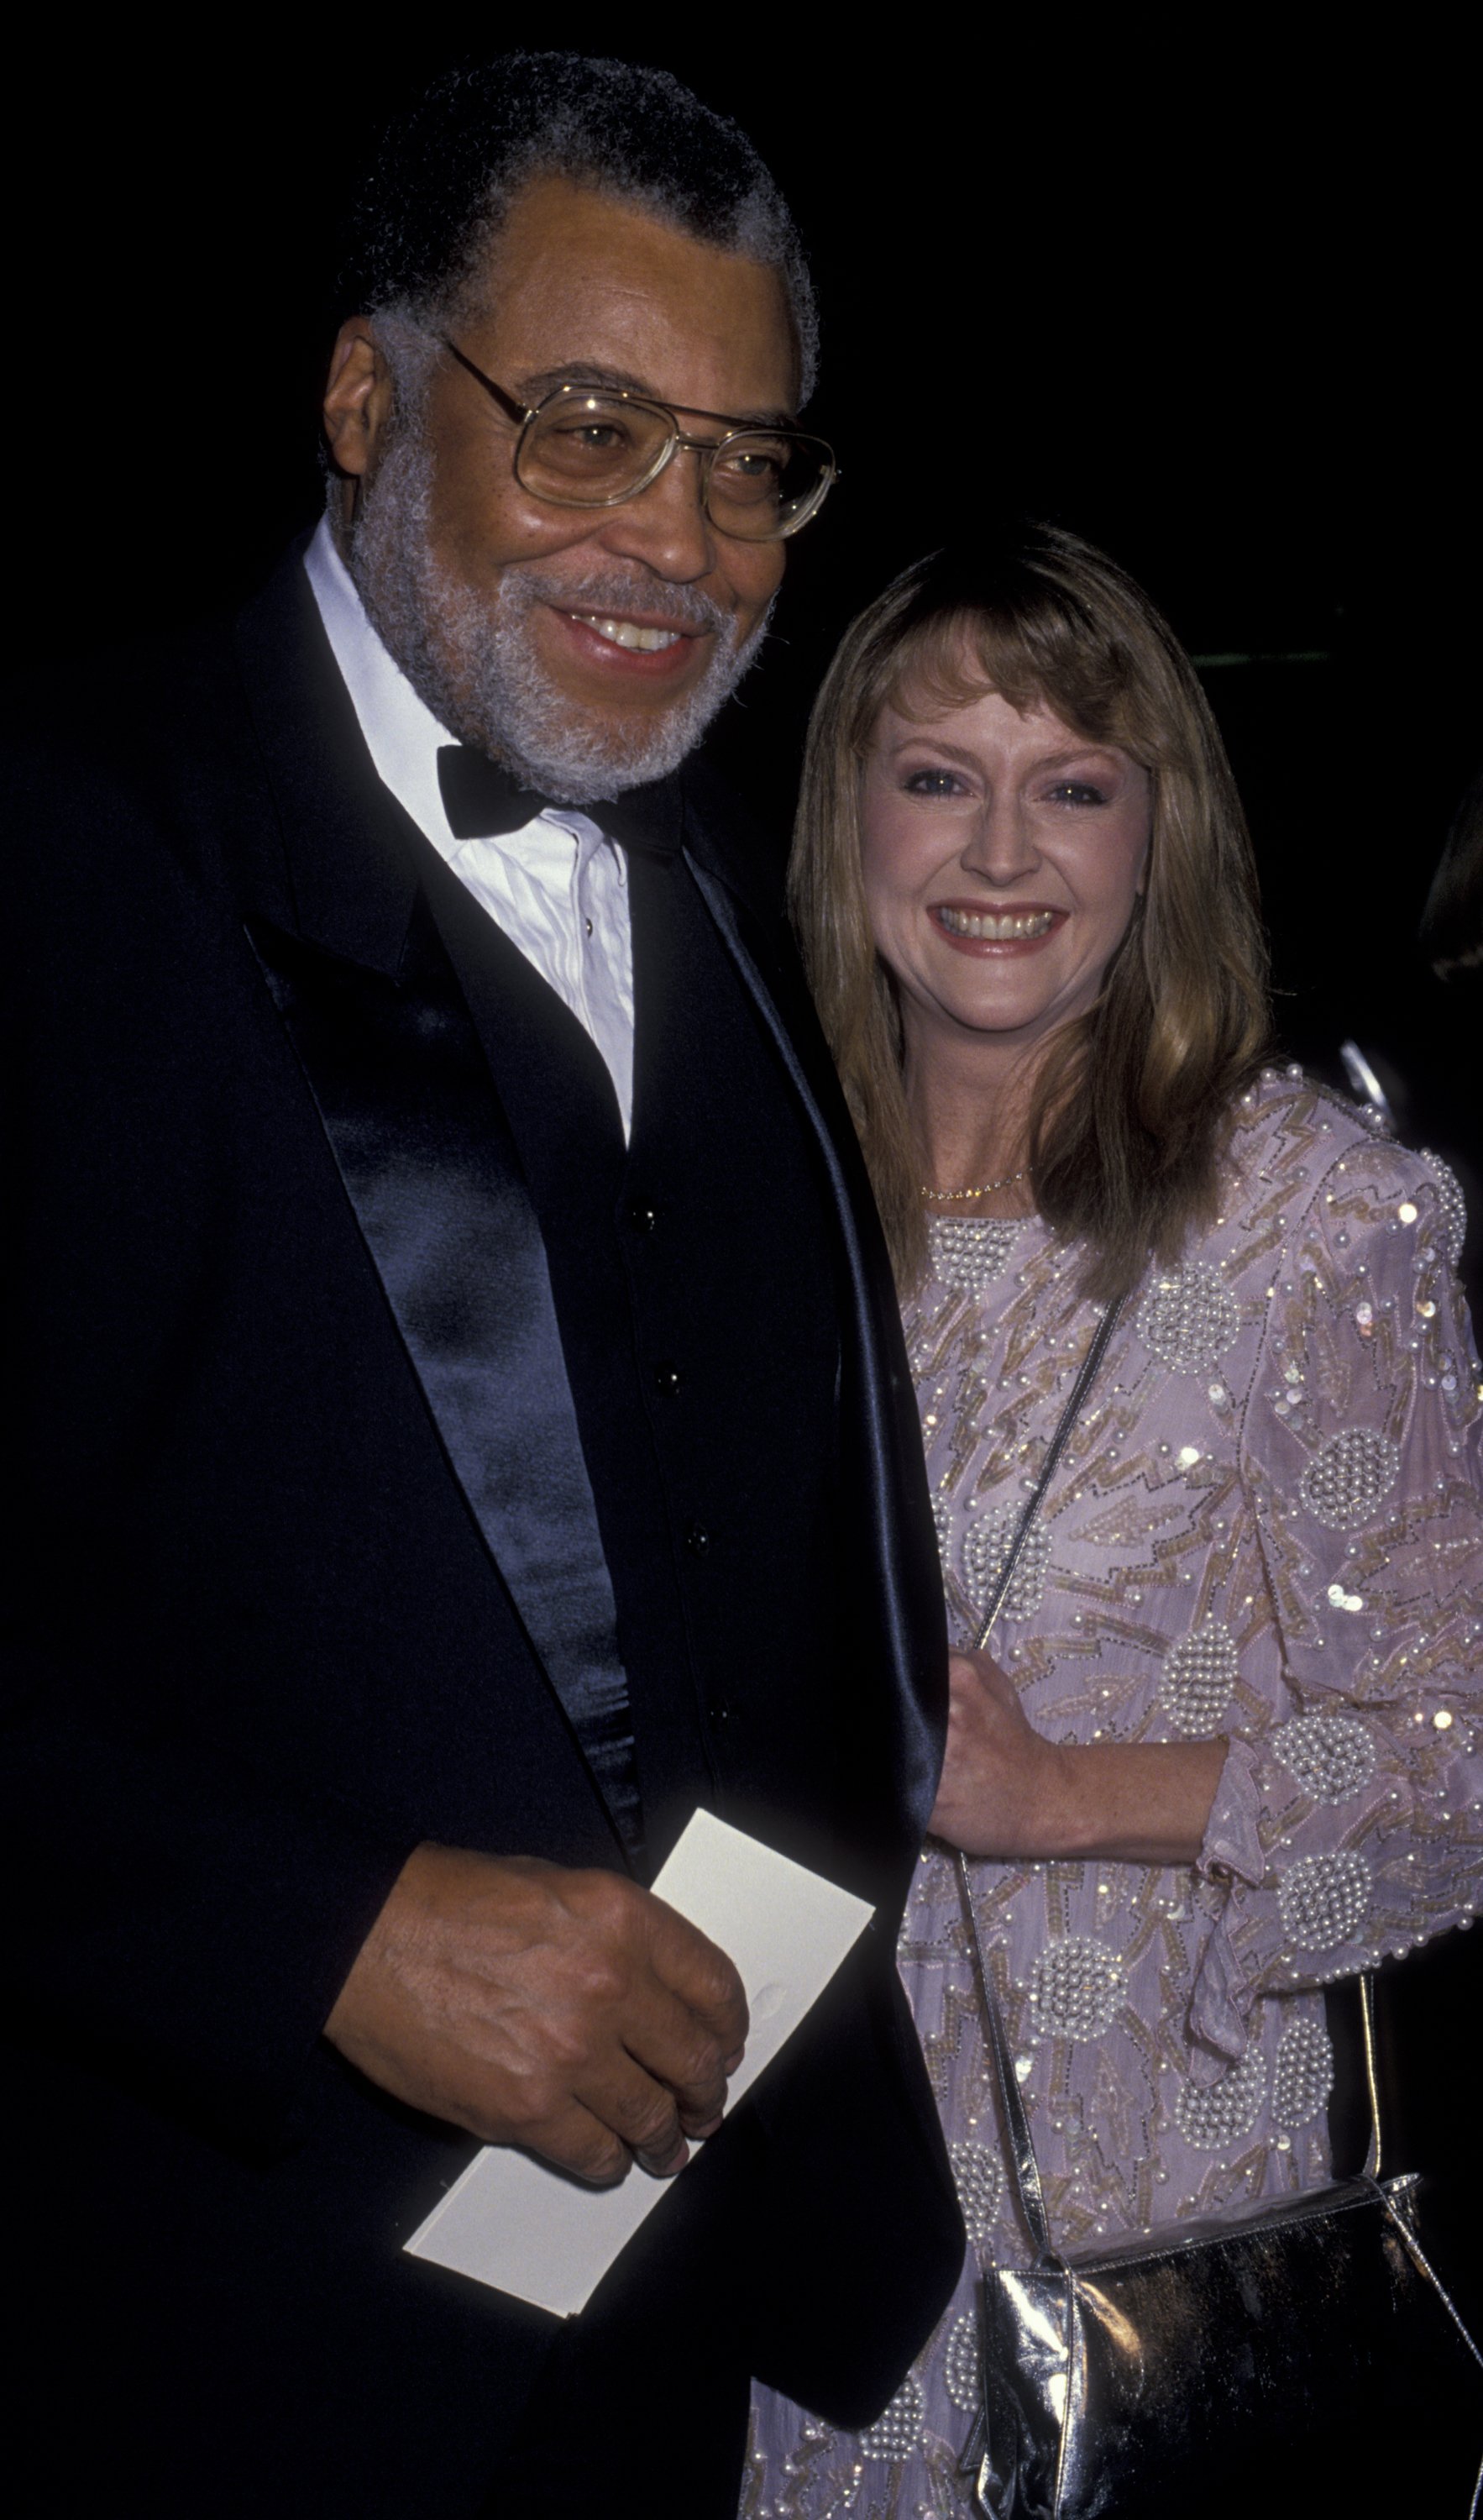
422 1146
896 1500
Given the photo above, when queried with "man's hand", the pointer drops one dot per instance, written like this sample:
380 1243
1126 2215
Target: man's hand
570 2012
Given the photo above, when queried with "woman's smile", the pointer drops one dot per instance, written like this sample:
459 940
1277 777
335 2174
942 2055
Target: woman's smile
998 931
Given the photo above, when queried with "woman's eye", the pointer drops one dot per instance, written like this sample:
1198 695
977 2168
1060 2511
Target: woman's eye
934 783
1077 791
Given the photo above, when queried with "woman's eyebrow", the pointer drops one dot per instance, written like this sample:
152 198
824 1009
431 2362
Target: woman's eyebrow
965 753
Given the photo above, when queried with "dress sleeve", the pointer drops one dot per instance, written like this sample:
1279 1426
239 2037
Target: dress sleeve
1348 1827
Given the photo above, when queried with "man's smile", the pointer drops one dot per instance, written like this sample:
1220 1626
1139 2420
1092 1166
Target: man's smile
639 635
649 647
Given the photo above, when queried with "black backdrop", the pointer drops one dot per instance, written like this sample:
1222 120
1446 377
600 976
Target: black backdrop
1207 298
1200 299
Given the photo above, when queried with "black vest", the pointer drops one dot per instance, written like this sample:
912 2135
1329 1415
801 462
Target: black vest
698 1312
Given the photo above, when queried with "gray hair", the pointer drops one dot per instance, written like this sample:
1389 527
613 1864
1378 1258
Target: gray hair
448 171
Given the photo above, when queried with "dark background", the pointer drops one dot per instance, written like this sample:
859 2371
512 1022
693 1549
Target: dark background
1210 300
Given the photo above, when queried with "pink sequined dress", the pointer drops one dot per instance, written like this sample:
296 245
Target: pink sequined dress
1269 1524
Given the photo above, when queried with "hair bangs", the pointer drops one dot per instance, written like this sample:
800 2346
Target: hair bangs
1036 647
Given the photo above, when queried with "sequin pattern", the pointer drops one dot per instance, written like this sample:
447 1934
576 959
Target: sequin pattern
1304 1580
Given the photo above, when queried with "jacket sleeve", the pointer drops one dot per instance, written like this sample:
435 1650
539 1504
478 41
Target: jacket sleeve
1349 1827
181 1907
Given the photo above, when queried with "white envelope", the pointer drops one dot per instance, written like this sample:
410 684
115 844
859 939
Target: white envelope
508 2222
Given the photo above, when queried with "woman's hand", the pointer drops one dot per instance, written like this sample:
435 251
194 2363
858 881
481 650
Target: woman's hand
1004 1791
1009 1793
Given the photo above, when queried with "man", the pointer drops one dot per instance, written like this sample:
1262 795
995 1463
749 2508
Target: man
462 1415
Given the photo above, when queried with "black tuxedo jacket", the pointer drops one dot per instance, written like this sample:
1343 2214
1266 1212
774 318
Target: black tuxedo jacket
400 1457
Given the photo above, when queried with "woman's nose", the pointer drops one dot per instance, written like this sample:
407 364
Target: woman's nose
1002 846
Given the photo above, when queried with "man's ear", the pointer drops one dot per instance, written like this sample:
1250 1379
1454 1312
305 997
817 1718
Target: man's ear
357 397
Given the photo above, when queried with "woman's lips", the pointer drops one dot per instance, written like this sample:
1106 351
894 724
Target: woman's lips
977 929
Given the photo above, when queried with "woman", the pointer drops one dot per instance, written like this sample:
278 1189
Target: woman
1220 1747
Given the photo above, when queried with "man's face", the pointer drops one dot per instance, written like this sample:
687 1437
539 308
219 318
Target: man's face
517 610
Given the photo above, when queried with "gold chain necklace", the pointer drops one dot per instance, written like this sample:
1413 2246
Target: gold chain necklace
985 1190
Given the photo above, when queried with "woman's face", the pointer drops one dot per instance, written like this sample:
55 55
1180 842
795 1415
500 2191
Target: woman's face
1003 855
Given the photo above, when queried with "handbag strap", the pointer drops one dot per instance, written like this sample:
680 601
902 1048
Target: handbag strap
1053 1450
1023 2167
1024 2170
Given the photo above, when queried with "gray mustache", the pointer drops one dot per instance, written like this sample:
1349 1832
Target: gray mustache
683 607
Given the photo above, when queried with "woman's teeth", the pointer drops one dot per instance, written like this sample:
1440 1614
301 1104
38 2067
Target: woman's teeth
1012 927
628 634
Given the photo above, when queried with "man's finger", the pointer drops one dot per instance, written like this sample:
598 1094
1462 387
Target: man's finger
664 2038
642 2113
699 1972
579 2142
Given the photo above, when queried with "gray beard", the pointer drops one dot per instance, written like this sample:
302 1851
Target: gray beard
469 658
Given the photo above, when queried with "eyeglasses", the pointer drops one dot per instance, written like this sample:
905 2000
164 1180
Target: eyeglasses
593 446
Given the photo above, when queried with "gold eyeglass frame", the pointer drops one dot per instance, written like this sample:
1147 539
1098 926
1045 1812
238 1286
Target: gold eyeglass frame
525 414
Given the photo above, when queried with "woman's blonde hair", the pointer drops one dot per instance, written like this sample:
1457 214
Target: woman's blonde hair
1131 1106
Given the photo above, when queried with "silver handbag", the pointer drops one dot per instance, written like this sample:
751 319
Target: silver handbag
1293 2356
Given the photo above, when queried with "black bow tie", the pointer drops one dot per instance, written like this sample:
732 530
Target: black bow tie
482 802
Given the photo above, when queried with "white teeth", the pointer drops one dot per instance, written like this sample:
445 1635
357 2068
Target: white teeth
628 634
1013 927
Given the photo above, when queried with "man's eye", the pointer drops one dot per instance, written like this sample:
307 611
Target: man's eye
595 436
751 463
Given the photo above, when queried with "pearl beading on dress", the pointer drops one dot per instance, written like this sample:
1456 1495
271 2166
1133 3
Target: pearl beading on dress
1331 1756
979 2176
1303 2075
985 1551
1324 1899
1077 1988
1215 2116
968 1252
1200 1675
1349 1476
1188 1318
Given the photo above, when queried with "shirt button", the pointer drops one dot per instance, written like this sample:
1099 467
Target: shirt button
697 1539
720 1712
587 923
667 1379
643 1219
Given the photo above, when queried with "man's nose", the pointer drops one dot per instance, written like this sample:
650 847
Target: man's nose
1003 846
666 525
